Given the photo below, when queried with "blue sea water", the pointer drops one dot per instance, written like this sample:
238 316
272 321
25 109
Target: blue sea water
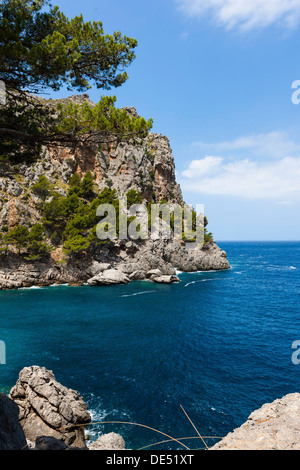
218 344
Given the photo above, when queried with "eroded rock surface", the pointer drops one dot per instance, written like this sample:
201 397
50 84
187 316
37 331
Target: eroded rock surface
275 426
110 441
47 408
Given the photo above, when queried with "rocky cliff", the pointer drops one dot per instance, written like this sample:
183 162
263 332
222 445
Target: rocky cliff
145 165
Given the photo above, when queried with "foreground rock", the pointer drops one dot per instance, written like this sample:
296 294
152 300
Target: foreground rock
41 414
111 441
12 436
275 426
47 408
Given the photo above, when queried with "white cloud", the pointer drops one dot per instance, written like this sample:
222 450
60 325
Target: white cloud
268 145
245 14
278 180
202 167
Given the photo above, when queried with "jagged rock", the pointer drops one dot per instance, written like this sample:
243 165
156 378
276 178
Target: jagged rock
132 111
109 277
14 189
275 426
111 441
47 408
165 279
12 436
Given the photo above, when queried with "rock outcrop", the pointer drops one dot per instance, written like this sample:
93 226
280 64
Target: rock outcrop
109 277
275 426
47 408
42 414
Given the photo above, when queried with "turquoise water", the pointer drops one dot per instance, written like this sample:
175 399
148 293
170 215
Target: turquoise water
217 343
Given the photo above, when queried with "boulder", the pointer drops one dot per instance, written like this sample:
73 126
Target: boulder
96 268
47 408
137 275
154 273
109 277
111 441
165 279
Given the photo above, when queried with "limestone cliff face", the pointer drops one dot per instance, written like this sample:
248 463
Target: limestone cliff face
146 165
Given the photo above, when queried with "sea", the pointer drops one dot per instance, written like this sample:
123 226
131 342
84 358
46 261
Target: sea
188 361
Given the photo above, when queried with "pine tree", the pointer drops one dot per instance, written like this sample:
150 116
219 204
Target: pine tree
40 48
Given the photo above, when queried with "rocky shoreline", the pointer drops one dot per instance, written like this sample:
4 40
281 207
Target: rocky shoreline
119 263
41 414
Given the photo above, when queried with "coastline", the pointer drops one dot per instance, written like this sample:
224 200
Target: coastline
121 264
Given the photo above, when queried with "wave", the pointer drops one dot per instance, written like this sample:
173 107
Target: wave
208 280
274 267
201 272
58 285
31 287
201 280
98 415
138 293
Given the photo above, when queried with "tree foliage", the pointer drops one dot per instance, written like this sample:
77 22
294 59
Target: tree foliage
42 188
41 48
32 241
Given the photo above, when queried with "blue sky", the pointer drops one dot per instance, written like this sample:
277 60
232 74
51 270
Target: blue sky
216 76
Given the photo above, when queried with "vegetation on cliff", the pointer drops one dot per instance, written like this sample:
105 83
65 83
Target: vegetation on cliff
71 220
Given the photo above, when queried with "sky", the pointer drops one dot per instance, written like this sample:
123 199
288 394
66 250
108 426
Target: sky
217 77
